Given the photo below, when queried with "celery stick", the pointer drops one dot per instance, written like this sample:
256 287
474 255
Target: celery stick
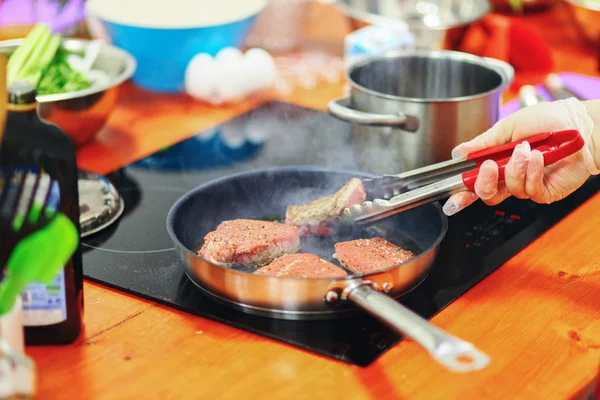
22 54
33 65
44 60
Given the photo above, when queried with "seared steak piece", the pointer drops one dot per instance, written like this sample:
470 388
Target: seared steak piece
370 255
315 217
301 266
249 242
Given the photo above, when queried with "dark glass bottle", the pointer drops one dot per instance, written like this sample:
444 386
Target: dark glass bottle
53 314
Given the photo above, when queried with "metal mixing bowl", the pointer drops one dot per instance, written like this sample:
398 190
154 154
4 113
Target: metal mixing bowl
83 113
436 25
586 15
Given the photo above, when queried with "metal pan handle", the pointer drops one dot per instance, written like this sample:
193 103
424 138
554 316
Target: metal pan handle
455 354
342 109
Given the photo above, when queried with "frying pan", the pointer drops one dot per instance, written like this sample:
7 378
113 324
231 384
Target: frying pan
265 194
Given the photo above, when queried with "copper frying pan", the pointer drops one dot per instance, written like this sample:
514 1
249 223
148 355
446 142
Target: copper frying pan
265 194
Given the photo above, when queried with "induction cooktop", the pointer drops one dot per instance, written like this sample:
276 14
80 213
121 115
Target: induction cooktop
136 255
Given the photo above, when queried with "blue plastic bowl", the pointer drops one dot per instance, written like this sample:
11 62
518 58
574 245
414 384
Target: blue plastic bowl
163 52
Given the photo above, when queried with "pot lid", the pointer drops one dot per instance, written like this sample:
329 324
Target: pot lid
100 205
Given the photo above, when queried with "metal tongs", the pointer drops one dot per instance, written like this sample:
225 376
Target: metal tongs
393 194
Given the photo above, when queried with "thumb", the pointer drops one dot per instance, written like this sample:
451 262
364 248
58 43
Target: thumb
464 149
480 142
500 133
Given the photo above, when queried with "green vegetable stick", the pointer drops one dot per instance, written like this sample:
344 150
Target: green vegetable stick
20 56
33 64
45 59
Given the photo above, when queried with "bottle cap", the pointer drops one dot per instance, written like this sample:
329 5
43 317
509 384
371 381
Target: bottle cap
21 92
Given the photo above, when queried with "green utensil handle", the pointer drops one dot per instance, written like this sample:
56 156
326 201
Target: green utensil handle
38 258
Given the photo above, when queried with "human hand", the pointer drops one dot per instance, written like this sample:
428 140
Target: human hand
526 177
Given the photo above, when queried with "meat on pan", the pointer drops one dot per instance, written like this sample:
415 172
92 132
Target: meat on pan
315 217
301 266
370 255
249 242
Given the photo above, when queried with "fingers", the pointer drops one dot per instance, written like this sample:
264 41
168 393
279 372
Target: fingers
493 137
524 178
458 202
500 133
486 185
463 149
486 188
516 171
542 117
534 183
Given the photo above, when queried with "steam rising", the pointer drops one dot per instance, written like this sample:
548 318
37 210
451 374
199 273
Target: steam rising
266 196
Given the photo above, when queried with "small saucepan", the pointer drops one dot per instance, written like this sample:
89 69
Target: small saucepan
265 194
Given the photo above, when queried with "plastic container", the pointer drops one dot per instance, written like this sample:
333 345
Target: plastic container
376 40
164 36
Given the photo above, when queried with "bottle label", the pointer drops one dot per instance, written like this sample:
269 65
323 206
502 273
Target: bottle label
45 304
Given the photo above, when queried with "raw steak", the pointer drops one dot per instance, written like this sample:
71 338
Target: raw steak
249 242
301 266
370 255
315 217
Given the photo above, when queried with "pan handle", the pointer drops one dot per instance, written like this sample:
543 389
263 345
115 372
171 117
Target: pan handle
456 354
342 109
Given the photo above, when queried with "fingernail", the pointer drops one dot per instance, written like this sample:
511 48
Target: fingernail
461 150
521 157
450 208
486 187
457 153
489 165
522 153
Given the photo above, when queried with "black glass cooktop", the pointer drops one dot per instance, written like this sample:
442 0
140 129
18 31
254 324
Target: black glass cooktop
136 255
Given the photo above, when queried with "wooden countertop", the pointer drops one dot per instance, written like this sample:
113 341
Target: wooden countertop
537 316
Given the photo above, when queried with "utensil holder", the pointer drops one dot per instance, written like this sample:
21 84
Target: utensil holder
17 371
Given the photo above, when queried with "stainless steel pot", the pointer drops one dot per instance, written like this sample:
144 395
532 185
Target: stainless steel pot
436 25
410 110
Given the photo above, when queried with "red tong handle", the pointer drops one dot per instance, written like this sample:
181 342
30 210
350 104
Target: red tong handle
554 146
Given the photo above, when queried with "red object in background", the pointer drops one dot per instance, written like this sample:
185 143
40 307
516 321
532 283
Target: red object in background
598 55
513 41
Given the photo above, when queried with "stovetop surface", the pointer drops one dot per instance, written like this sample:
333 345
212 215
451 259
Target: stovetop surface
137 256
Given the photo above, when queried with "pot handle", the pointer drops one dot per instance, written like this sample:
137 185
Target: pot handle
341 108
456 354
